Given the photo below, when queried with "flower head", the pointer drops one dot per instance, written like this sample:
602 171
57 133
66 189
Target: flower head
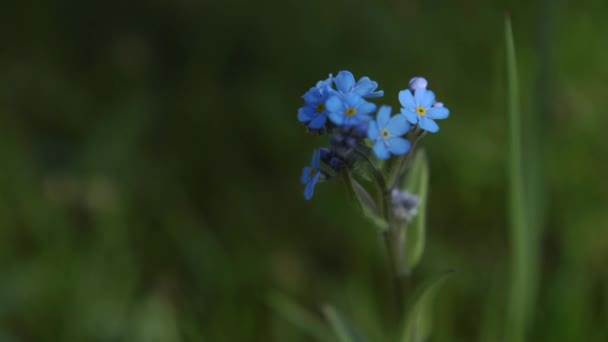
404 204
351 109
331 158
348 137
386 134
364 87
311 174
418 108
314 113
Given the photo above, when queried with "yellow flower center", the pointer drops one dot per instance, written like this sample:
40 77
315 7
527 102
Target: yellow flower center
320 107
385 133
350 112
420 110
312 172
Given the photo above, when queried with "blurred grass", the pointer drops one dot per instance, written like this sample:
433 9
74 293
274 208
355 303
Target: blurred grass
149 157
522 232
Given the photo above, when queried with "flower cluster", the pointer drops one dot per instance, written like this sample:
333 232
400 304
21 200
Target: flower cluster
339 106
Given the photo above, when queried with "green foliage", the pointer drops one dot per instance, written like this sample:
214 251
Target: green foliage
522 233
149 158
343 330
417 183
418 322
300 317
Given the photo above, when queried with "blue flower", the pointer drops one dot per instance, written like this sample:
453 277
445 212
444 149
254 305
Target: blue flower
386 133
313 113
419 109
350 110
345 83
311 174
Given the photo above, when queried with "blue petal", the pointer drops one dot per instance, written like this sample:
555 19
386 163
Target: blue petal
365 88
353 100
351 121
407 99
337 118
364 118
380 150
428 124
410 116
312 96
334 104
326 82
318 121
373 132
327 92
438 113
316 155
366 108
305 114
399 146
383 116
375 94
310 187
424 98
345 81
398 125
309 190
305 178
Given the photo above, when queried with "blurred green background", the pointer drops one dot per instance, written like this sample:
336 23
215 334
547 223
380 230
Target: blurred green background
150 157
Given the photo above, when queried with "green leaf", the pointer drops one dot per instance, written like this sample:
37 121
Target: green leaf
521 232
299 317
418 323
417 183
343 330
368 205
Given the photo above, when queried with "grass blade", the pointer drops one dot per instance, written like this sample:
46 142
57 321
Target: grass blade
518 307
417 183
299 317
418 322
342 328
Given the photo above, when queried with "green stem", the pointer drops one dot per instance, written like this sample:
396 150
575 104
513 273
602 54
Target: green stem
394 236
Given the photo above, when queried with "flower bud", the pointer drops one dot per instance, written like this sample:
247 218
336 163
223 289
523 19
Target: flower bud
418 82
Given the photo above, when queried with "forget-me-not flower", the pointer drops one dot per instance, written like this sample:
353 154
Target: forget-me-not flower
311 174
349 110
364 87
314 113
386 134
418 108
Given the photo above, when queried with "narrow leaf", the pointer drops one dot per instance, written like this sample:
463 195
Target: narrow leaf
417 183
418 323
299 317
518 314
368 205
343 330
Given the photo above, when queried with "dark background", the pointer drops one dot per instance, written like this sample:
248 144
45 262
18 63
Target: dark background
150 159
